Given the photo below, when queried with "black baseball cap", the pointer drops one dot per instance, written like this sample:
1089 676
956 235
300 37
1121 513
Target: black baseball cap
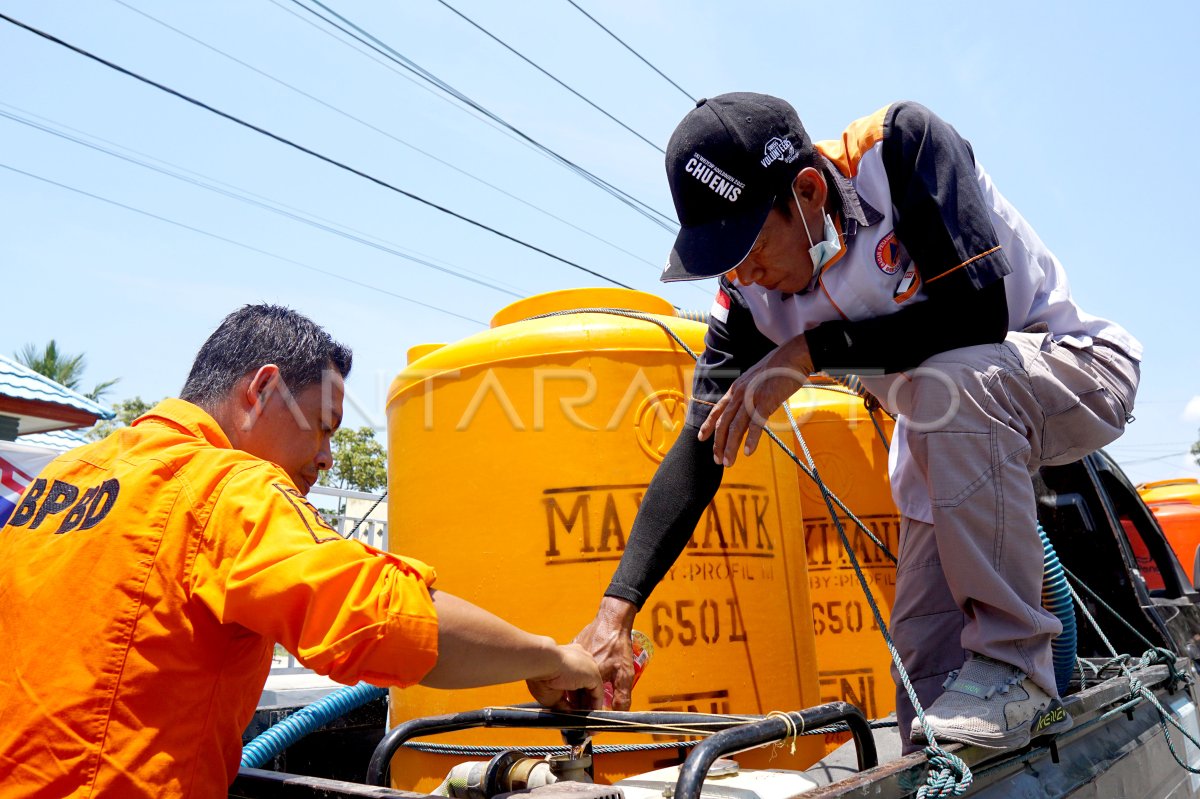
727 161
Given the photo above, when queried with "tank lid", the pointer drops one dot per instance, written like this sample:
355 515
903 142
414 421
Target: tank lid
1177 481
1181 489
575 299
421 350
516 337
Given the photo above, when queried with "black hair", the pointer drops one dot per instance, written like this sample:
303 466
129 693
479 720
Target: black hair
256 335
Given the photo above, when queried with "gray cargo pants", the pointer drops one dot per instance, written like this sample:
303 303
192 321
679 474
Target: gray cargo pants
981 420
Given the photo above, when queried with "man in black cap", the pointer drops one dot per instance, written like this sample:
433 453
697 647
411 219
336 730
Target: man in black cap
889 254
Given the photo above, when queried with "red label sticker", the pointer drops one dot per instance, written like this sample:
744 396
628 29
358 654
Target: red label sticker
720 306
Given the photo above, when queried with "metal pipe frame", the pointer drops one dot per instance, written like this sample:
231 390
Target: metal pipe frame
774 728
538 717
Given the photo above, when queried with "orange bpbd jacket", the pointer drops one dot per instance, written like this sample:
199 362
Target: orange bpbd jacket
143 582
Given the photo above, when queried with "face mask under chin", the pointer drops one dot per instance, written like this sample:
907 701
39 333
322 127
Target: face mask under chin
821 252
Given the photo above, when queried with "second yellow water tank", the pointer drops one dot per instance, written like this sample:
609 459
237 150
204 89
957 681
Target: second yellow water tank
849 445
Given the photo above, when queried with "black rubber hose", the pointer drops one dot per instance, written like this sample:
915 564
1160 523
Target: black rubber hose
774 728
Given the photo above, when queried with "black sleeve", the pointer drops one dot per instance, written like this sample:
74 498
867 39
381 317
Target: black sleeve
688 478
939 212
945 225
955 315
684 484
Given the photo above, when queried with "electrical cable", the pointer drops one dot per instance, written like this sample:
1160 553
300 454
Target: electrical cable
218 237
382 132
364 48
308 151
358 33
209 182
630 49
236 194
363 36
389 62
1139 461
545 72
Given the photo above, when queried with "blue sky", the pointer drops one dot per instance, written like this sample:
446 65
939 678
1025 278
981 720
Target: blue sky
1084 115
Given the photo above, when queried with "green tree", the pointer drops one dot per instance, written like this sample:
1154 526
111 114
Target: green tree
61 367
1196 452
359 462
127 411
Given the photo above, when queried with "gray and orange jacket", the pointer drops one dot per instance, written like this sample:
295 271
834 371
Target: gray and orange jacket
144 580
933 258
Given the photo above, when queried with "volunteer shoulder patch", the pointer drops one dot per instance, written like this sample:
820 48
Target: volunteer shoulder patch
888 254
317 527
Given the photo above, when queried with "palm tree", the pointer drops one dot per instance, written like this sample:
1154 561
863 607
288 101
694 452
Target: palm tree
62 368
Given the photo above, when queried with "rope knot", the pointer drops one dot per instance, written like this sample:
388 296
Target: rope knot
948 775
792 730
1157 655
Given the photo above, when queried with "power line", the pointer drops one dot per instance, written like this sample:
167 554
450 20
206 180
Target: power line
241 193
552 77
365 49
389 62
240 244
630 49
1121 445
358 33
1138 461
307 151
237 194
386 133
363 36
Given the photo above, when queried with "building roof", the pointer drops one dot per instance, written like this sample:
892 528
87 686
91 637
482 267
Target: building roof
40 404
60 440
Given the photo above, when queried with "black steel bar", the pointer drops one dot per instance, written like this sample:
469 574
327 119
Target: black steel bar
253 783
594 720
773 728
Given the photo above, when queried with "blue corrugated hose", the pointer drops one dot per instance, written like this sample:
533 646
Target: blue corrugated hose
1056 598
278 737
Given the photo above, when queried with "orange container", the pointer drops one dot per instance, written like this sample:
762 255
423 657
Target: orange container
1176 505
852 660
517 461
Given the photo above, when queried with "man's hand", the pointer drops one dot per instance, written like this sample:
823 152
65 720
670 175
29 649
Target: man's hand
607 638
575 682
753 397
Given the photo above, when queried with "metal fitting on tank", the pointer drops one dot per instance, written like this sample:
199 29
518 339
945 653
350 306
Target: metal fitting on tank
506 772
573 769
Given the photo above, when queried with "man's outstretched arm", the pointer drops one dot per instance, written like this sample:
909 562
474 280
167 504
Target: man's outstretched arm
477 648
684 484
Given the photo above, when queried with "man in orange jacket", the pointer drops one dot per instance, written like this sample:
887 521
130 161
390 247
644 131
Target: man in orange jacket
145 578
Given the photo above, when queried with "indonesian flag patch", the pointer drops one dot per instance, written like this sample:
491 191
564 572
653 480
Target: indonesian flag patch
720 307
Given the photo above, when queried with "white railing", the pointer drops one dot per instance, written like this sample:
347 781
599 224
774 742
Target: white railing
371 530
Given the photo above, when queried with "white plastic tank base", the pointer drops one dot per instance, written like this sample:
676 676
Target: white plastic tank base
721 783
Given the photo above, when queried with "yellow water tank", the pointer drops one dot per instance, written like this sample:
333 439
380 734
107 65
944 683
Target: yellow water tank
517 461
851 456
1176 505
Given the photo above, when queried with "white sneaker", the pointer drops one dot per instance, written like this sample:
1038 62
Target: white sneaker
992 704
